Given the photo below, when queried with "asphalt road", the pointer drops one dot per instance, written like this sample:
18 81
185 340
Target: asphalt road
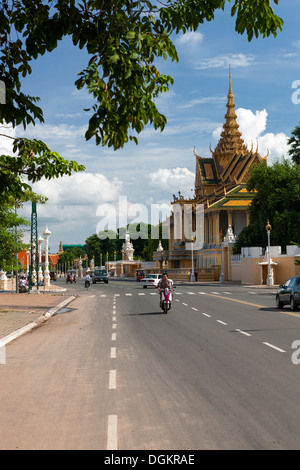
219 371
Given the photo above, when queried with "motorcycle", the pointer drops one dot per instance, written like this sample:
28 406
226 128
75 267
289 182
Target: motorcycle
166 301
23 288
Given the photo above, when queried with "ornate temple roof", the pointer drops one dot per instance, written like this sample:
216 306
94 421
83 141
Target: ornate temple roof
230 164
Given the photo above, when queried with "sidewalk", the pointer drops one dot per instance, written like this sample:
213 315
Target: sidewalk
20 313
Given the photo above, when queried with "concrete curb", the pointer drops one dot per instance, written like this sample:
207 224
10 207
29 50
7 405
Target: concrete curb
30 326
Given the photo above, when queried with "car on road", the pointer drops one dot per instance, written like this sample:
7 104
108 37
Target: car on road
289 293
152 280
100 275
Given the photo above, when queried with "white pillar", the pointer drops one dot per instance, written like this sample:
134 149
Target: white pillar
40 274
46 234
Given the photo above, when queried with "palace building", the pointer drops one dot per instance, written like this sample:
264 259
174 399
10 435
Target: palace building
220 187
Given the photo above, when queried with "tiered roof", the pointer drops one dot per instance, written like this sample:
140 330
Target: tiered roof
229 167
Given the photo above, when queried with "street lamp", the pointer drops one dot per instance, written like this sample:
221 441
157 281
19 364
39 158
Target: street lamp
221 278
46 234
270 277
27 261
193 274
107 269
115 271
40 274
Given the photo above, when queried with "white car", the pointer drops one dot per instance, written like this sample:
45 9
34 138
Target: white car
152 280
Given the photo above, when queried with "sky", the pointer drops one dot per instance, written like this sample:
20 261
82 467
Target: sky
136 182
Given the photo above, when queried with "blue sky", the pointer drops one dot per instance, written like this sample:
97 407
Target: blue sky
263 73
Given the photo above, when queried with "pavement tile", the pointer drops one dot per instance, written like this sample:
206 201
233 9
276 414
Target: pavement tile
18 310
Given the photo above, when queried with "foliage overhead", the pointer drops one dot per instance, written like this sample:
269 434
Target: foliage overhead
123 39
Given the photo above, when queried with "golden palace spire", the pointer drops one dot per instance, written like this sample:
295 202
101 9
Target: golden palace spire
230 142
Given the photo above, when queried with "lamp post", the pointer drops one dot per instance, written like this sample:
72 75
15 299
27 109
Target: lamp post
115 263
100 260
270 277
40 274
46 234
221 278
107 269
27 261
193 274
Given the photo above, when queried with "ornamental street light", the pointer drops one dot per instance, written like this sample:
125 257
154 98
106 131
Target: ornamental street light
40 274
46 234
221 278
270 277
193 274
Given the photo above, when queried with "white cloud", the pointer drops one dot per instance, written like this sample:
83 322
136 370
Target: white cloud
276 144
8 133
252 126
57 132
223 61
175 179
205 100
190 39
79 189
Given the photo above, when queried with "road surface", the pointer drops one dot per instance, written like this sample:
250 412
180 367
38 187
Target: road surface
113 372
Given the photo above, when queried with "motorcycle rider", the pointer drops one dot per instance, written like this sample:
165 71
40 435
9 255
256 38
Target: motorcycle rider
163 284
87 280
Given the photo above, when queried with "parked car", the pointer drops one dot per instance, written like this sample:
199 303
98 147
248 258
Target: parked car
289 293
100 275
152 280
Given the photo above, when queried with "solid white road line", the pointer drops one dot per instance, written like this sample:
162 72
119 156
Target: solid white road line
112 432
274 347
